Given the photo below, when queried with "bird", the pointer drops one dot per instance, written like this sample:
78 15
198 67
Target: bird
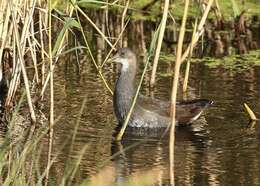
148 112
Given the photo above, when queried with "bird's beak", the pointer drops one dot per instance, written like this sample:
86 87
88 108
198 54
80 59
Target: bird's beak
113 59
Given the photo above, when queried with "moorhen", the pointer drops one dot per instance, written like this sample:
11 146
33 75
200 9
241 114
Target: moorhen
148 112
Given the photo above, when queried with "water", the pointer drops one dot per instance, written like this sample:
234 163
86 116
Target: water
223 151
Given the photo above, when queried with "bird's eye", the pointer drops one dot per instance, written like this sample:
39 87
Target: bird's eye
123 53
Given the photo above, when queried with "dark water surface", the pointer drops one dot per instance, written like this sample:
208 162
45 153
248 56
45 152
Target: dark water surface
223 150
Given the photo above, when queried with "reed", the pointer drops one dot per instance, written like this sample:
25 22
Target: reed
159 42
56 52
94 25
51 122
123 21
187 70
20 35
250 113
92 57
21 63
181 57
174 90
41 32
200 30
117 40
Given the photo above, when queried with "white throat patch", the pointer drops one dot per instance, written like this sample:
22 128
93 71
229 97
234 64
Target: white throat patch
125 64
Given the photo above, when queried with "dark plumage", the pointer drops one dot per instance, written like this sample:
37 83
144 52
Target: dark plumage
148 112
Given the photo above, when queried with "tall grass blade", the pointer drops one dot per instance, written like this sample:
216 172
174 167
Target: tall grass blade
69 23
56 52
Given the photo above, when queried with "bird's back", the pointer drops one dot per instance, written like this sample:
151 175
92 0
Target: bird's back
154 113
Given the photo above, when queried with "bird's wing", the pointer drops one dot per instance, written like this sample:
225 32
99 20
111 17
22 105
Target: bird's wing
185 109
157 106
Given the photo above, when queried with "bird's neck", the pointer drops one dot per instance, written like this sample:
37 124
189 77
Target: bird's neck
124 93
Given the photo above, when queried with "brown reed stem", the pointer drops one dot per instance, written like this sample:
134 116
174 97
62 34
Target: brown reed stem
117 40
93 24
174 90
24 73
51 123
15 72
250 113
92 57
123 21
41 19
56 51
200 30
33 54
159 42
187 70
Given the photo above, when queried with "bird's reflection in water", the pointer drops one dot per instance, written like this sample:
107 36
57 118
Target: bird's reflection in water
145 149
